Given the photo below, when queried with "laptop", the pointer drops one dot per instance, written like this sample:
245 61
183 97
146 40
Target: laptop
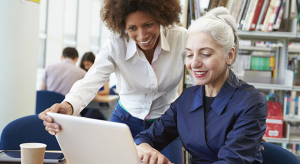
84 140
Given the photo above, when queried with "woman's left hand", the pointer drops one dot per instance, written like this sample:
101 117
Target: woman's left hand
262 149
149 155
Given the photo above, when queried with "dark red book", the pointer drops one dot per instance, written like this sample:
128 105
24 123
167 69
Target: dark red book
264 16
256 14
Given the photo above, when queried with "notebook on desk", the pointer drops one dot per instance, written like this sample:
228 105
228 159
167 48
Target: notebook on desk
92 141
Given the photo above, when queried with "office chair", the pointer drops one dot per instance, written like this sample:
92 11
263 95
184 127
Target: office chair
45 99
26 129
274 154
112 90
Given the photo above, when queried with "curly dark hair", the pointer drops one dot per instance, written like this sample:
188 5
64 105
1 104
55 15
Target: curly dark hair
115 12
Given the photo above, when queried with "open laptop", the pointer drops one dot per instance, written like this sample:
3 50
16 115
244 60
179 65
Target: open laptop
90 141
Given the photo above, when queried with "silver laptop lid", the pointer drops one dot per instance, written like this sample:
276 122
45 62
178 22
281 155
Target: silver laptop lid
91 141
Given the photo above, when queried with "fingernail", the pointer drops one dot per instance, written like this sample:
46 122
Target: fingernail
55 126
48 119
57 130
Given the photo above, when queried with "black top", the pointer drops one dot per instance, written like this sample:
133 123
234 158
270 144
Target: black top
207 102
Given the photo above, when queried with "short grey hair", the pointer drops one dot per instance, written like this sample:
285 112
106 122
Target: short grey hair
221 26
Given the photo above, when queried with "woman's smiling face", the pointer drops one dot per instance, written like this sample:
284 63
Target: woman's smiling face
205 59
143 29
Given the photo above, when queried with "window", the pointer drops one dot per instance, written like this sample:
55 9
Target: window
70 23
42 32
96 24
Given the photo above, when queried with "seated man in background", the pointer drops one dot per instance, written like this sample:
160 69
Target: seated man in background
60 77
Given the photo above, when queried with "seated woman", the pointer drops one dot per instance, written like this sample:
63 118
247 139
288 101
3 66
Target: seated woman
86 63
220 120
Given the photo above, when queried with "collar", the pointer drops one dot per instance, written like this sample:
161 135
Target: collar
66 60
222 97
132 48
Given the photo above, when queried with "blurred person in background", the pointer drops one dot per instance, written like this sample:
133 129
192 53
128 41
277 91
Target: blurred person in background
61 76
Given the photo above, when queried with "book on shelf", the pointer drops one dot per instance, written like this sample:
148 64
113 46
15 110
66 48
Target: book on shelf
260 63
263 14
298 5
269 15
296 70
260 15
187 157
213 4
242 21
197 9
277 12
279 17
274 122
273 16
291 106
236 8
298 18
229 5
191 17
249 15
240 13
222 3
298 9
258 73
286 106
256 14
293 10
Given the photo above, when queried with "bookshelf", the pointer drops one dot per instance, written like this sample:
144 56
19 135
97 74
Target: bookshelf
253 48
269 36
292 120
277 140
284 79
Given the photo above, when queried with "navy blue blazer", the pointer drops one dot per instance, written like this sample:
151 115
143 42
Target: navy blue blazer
229 132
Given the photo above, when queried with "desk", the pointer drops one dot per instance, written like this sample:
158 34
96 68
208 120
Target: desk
110 99
106 98
20 162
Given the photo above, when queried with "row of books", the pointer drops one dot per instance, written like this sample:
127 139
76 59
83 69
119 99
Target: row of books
187 157
255 64
294 148
293 65
262 15
262 63
291 106
194 10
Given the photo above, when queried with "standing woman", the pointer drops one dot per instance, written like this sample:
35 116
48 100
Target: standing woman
147 57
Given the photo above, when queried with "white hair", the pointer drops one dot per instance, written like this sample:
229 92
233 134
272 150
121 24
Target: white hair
221 26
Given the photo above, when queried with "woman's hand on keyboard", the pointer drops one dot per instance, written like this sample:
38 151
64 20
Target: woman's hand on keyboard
149 155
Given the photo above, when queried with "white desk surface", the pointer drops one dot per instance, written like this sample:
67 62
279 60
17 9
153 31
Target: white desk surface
106 98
